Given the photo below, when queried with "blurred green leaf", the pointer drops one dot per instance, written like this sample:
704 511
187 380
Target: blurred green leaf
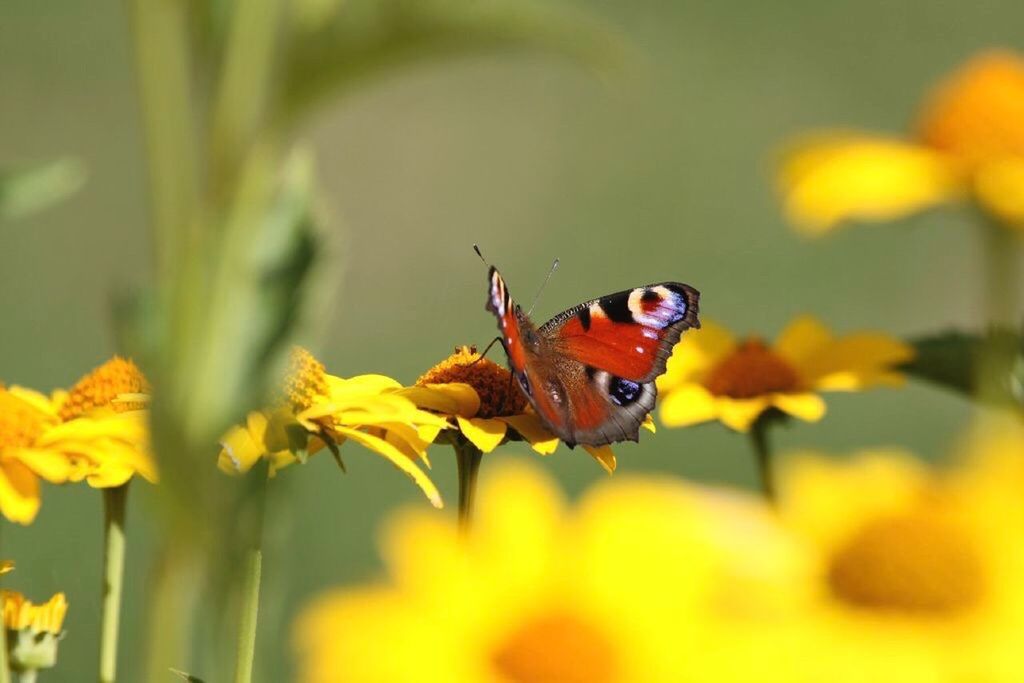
369 38
28 190
965 362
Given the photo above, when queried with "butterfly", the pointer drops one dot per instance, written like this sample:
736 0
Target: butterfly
590 371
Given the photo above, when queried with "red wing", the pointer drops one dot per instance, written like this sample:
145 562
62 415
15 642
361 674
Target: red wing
499 302
628 334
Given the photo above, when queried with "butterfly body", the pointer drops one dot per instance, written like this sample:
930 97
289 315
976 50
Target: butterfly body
590 372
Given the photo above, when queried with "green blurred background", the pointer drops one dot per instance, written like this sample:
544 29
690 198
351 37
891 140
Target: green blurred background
658 170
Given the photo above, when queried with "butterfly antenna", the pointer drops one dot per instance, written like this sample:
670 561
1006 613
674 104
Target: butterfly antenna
554 267
477 250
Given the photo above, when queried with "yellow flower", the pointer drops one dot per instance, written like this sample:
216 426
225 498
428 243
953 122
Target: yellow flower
482 402
646 580
918 577
32 630
320 411
104 428
714 376
24 417
969 142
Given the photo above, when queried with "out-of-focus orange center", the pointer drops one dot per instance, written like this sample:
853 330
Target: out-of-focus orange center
306 379
492 383
915 563
558 647
977 114
100 387
20 423
752 370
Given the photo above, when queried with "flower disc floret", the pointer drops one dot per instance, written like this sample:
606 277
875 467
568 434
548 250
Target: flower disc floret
753 369
499 395
101 388
305 381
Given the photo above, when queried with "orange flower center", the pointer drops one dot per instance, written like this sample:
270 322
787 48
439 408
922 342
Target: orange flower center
557 648
752 370
978 113
492 383
914 563
20 423
100 387
306 379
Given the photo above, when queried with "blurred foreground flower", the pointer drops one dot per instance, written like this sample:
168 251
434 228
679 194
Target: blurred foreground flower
24 416
32 631
969 142
919 578
714 376
646 580
323 411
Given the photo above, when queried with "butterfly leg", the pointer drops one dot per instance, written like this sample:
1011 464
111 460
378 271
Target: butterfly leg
486 349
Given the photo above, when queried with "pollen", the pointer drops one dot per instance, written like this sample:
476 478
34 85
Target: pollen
752 370
20 423
557 647
492 383
918 564
978 113
20 613
306 379
102 386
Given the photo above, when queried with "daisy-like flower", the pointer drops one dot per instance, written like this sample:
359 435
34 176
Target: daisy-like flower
713 375
487 407
320 411
33 631
917 577
968 143
25 416
646 580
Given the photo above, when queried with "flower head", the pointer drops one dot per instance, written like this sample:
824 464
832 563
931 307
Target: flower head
969 141
914 566
712 375
483 403
637 583
32 630
318 411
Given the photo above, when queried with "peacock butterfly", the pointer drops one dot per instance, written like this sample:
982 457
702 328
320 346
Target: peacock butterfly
590 372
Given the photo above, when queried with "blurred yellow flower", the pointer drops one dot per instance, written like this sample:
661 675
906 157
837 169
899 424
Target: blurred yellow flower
712 375
320 410
482 402
32 630
104 428
969 143
646 580
919 579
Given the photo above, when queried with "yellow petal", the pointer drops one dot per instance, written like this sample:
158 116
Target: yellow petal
803 338
6 566
604 455
857 361
740 413
999 185
807 406
485 434
51 465
338 387
697 352
451 399
648 424
688 405
239 451
19 492
396 458
854 176
533 430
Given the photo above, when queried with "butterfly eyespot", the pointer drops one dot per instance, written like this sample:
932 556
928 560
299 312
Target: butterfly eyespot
624 392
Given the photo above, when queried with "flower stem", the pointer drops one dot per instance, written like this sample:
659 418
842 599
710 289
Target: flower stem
114 503
1002 265
763 454
467 458
5 668
27 676
249 614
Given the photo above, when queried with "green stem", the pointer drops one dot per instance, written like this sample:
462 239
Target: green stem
27 676
467 458
1001 267
249 614
114 504
763 454
5 667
